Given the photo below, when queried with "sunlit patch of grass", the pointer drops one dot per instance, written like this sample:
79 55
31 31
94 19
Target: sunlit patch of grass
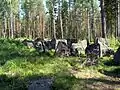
23 67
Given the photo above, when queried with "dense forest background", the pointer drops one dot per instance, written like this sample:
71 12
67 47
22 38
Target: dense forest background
23 23
59 18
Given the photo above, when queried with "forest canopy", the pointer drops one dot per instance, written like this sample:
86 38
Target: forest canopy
59 18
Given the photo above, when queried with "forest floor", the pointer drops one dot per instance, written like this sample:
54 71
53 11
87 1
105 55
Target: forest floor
20 65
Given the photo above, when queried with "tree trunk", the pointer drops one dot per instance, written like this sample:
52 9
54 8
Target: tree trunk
43 33
88 26
28 23
92 21
54 29
66 28
4 27
14 26
61 26
9 31
20 28
103 19
40 29
11 24
60 18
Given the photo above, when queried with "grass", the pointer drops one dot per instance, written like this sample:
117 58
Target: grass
19 65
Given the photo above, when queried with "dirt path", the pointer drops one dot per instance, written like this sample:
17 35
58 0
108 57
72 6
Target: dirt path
96 80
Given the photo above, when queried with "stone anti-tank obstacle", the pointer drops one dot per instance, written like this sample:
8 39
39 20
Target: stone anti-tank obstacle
117 57
48 44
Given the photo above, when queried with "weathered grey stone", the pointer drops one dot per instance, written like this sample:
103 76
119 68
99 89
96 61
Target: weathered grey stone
62 49
104 46
80 46
28 43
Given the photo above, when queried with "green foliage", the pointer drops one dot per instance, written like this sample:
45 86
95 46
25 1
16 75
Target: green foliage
51 52
114 43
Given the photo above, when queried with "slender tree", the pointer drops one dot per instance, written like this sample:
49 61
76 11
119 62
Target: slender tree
103 20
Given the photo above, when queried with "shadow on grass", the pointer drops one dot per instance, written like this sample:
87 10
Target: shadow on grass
61 82
110 63
12 83
73 83
112 69
113 73
18 82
